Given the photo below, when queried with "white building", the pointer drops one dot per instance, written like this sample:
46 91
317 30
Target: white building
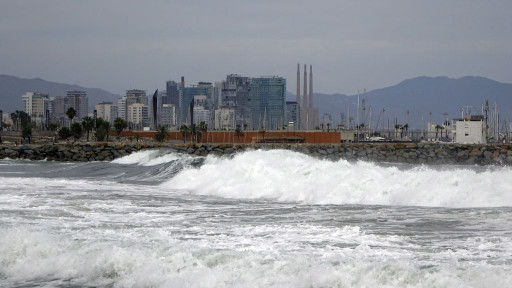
138 116
36 105
225 119
470 131
107 111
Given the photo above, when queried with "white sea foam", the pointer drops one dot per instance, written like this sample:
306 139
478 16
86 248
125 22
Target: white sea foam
148 158
66 262
290 176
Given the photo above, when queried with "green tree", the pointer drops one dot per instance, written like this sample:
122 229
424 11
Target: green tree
106 127
194 131
77 131
87 125
161 134
54 126
18 118
119 126
238 133
71 113
203 127
64 133
185 131
26 129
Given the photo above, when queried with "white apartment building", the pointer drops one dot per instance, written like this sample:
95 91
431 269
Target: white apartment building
138 116
36 105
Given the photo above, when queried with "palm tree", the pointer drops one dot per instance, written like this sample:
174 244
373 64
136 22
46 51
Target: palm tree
119 125
238 132
194 131
262 132
438 127
185 131
328 127
88 125
71 113
137 136
76 130
160 135
203 127
106 126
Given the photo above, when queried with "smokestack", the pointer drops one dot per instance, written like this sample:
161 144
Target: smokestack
182 81
298 84
311 87
305 98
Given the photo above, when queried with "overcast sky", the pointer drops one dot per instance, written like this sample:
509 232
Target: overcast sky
118 45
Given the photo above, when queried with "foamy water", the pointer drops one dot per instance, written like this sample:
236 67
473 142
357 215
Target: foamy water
259 219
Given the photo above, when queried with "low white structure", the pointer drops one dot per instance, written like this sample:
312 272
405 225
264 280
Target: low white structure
470 131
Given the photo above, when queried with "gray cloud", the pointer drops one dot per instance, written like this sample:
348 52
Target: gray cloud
120 45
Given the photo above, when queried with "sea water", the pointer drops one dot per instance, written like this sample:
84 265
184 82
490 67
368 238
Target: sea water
257 219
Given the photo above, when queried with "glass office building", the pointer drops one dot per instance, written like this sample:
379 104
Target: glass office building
267 103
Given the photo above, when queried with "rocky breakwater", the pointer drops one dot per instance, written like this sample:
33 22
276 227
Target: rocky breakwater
72 152
414 153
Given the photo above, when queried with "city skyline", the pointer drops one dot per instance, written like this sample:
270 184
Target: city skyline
352 45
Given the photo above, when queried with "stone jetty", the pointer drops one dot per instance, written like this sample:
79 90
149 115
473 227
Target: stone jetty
414 153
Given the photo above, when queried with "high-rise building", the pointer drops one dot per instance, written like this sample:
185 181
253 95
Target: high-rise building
172 93
138 117
267 102
187 95
202 113
122 109
78 101
139 96
59 107
167 116
106 111
235 95
36 105
132 96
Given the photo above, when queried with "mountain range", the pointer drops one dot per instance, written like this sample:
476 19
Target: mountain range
426 98
11 89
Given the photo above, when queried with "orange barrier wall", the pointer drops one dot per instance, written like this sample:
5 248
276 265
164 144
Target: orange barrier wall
249 136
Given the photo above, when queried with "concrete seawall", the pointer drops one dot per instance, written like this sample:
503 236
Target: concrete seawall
415 153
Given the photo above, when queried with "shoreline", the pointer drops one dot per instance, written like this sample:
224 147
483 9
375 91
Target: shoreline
411 153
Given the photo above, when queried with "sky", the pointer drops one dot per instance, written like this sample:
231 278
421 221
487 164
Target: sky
352 45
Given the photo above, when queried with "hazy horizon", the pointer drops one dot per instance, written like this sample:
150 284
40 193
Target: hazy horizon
121 45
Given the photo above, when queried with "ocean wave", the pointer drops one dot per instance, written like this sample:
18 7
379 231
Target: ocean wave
147 158
289 176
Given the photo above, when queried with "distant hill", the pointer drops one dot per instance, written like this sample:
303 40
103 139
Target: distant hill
11 89
421 96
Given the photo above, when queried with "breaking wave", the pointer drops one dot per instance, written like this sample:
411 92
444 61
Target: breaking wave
149 158
289 176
